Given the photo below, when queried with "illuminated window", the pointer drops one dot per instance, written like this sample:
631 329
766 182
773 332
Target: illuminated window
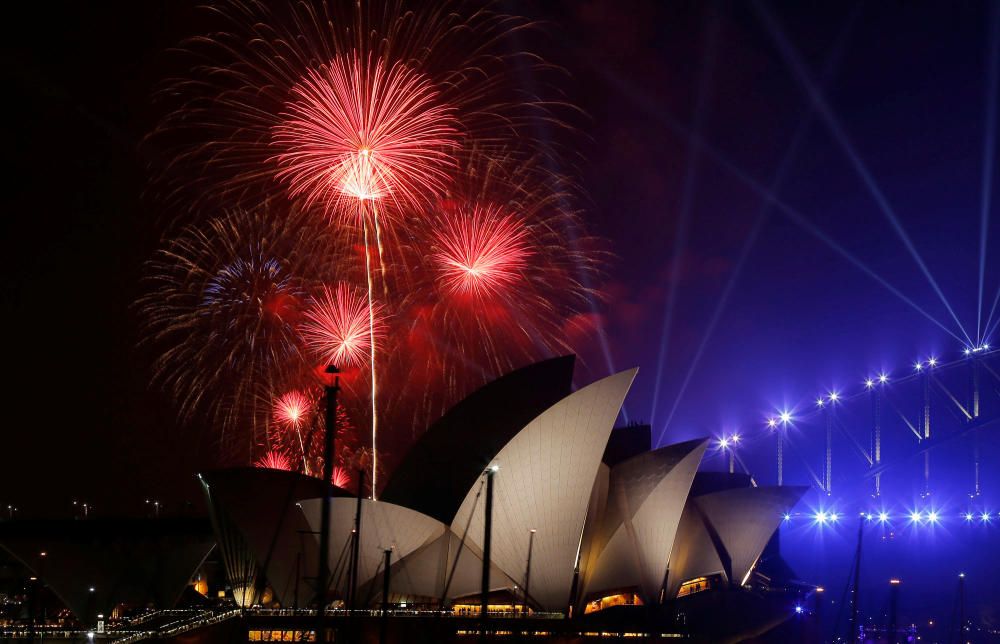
620 599
695 585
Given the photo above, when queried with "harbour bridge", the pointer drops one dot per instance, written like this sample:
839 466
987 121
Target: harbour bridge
892 425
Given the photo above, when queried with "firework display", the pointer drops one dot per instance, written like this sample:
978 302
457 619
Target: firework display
274 460
385 210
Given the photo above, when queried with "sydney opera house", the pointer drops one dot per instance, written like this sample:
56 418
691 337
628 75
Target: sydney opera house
585 519
574 526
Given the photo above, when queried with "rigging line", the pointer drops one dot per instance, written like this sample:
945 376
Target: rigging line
798 69
746 469
686 206
989 154
461 544
857 445
952 398
902 416
812 473
340 569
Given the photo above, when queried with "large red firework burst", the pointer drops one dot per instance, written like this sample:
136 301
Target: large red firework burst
337 327
359 130
482 252
293 409
305 88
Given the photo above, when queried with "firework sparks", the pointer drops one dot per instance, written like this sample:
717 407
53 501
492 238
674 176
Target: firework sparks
303 439
359 130
274 460
482 253
373 118
338 327
293 409
340 477
224 311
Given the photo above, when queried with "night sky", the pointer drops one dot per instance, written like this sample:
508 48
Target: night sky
685 108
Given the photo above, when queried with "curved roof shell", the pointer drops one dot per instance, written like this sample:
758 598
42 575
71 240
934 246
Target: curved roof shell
646 496
261 529
544 482
384 525
726 532
449 457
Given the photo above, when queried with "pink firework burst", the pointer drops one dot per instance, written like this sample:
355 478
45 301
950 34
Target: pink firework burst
274 460
338 327
340 477
359 130
482 253
293 409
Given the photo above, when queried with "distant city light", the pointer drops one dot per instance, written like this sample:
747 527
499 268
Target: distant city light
916 516
918 366
819 402
969 516
798 609
869 516
883 378
869 383
787 517
723 442
932 516
883 517
736 438
932 362
772 423
834 517
820 517
834 396
786 416
985 517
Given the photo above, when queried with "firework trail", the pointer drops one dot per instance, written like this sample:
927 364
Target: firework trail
357 133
